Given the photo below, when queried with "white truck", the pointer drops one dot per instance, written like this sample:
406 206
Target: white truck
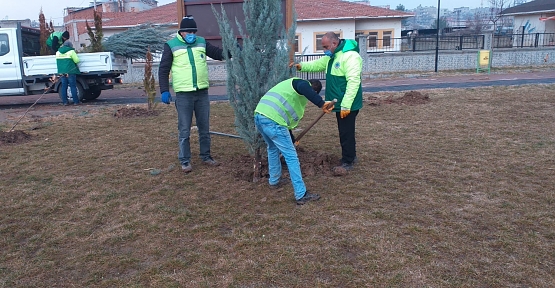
23 72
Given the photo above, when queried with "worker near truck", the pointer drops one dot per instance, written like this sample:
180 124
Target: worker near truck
56 39
278 112
185 57
343 66
66 61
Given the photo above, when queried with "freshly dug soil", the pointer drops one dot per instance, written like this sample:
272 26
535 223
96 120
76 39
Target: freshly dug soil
14 137
312 163
131 112
410 98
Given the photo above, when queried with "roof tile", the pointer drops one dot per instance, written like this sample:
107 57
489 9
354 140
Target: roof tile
306 10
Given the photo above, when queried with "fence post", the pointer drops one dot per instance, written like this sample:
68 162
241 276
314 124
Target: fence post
414 43
522 38
488 43
461 42
363 47
537 40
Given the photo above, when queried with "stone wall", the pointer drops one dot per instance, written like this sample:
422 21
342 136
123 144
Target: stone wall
403 62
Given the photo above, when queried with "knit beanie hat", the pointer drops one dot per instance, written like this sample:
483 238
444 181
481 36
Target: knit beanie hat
65 35
188 24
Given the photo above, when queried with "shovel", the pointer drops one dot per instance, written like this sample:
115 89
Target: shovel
297 138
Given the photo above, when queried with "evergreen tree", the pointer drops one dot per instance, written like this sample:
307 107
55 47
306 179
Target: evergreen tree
404 22
131 43
261 63
96 36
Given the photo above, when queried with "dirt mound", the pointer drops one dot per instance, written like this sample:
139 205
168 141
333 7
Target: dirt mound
130 112
312 163
14 137
410 98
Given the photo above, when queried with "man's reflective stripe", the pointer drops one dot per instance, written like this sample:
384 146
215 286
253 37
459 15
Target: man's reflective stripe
175 48
277 108
287 106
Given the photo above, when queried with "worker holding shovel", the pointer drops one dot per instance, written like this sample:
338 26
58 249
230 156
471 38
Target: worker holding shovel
279 111
343 66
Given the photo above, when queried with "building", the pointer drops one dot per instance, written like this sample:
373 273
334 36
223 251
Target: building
75 18
347 19
533 17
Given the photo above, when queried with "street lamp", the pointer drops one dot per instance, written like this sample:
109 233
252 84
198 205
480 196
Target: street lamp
437 33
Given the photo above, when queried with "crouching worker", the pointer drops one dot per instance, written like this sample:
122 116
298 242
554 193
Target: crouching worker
279 111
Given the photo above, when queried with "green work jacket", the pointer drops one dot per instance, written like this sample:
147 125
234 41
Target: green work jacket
343 75
66 61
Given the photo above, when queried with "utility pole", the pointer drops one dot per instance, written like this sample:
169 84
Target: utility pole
288 23
181 12
437 34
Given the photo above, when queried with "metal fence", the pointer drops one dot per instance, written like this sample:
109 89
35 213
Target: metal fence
460 42
524 40
310 75
425 43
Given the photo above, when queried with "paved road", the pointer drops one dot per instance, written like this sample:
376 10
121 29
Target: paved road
11 106
459 81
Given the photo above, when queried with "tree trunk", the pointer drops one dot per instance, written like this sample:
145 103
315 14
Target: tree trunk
257 166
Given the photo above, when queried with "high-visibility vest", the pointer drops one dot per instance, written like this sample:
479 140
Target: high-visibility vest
283 104
189 68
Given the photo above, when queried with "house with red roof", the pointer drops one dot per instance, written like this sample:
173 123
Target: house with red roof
314 19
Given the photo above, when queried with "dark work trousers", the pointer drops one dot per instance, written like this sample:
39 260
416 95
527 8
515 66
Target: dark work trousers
346 128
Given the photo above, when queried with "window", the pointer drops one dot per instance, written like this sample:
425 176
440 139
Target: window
386 38
373 39
378 39
298 43
318 40
4 44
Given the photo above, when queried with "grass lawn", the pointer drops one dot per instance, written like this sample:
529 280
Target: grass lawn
458 192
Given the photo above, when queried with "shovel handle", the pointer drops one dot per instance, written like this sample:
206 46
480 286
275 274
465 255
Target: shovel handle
297 138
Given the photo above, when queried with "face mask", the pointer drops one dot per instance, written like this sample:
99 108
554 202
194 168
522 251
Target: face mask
190 38
328 53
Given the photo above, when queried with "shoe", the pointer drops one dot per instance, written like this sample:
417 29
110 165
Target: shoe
186 167
347 166
308 197
282 182
211 162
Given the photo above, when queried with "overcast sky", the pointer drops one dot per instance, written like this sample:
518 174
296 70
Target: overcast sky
54 9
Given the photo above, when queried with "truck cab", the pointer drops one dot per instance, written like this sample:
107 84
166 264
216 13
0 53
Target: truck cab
12 49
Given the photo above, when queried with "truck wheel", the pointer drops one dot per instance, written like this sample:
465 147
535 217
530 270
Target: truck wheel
80 93
92 93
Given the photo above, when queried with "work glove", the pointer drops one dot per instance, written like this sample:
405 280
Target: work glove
328 106
297 65
344 112
166 97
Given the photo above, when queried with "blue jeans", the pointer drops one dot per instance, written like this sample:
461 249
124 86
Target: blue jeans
278 139
72 79
186 103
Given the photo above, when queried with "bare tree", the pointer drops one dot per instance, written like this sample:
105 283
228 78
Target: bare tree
477 23
495 8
